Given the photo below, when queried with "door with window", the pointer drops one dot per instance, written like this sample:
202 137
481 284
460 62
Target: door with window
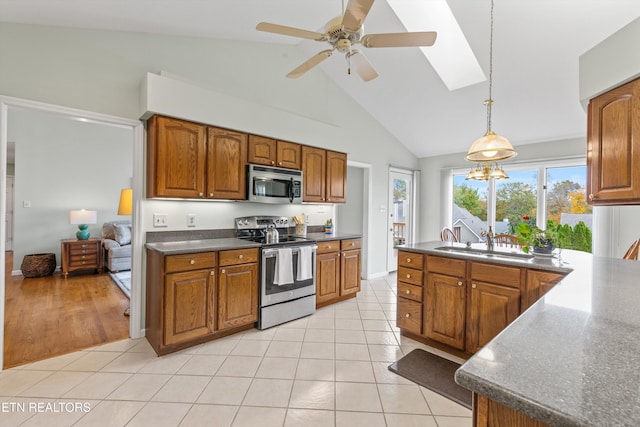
400 213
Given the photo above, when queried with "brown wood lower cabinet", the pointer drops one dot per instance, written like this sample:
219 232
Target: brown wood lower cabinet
197 297
489 413
459 306
338 270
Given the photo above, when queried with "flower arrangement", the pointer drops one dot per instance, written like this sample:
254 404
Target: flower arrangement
533 238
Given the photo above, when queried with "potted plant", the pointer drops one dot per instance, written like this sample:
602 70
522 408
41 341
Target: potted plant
533 239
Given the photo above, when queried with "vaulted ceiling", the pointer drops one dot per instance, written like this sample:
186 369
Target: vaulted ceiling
536 49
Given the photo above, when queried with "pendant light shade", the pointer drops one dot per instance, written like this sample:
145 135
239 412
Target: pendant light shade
490 148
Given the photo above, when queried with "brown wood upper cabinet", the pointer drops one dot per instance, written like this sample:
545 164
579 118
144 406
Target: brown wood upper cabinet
613 146
325 175
190 160
271 152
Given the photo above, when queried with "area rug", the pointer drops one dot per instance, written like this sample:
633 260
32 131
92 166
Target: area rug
432 372
123 280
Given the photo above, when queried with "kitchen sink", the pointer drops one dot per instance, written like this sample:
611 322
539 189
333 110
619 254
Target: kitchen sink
484 252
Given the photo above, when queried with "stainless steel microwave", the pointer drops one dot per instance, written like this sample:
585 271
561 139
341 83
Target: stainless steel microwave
274 185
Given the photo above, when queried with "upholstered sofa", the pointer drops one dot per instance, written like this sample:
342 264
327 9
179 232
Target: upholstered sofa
116 240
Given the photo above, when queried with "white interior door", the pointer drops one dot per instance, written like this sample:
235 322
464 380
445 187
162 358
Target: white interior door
400 219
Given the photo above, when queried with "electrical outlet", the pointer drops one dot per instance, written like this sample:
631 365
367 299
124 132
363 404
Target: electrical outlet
160 220
191 220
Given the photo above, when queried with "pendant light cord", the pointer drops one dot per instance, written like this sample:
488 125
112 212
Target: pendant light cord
489 101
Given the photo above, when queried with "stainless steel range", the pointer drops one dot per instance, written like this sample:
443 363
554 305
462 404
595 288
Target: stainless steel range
287 269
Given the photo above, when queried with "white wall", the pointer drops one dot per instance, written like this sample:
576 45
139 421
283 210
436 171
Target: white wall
63 164
349 215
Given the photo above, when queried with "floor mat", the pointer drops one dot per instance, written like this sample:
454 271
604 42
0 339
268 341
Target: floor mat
123 280
432 372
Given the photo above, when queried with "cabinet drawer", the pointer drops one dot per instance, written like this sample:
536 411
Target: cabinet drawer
330 246
345 245
238 256
83 249
499 274
410 259
406 290
448 266
84 260
410 275
187 262
409 315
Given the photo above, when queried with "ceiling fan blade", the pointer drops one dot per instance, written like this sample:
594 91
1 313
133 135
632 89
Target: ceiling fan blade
427 38
355 14
289 31
310 63
362 65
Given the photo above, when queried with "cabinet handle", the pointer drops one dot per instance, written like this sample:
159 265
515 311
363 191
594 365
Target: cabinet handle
408 276
273 162
210 194
408 292
591 197
473 285
407 315
240 256
328 246
212 273
408 259
279 163
223 271
200 194
193 261
353 244
460 284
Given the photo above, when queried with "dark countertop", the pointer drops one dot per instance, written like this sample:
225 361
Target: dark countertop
477 252
319 237
571 359
205 245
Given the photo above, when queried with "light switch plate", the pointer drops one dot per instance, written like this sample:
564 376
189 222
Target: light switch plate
191 220
160 220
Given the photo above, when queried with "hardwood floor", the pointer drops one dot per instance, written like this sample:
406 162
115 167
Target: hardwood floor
49 316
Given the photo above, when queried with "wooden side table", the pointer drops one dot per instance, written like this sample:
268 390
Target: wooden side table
81 255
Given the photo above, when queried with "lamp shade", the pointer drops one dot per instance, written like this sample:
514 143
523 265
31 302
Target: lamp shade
125 207
83 216
490 148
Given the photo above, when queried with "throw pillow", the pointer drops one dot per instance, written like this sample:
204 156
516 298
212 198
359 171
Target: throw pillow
122 234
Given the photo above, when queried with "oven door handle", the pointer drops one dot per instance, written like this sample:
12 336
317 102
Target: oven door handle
269 253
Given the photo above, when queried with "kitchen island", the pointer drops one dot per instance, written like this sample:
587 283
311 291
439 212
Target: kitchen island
572 358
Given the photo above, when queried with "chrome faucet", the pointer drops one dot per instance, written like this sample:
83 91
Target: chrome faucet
489 236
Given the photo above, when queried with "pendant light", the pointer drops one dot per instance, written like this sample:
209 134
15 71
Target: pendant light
490 147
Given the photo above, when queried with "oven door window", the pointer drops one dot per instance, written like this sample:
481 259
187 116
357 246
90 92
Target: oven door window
271 188
273 289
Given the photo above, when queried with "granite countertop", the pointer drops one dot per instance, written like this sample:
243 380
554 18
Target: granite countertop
204 245
572 358
500 255
319 237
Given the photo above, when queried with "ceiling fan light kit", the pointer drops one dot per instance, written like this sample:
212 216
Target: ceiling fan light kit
491 147
343 32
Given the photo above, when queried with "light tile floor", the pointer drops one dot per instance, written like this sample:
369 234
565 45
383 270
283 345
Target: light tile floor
329 369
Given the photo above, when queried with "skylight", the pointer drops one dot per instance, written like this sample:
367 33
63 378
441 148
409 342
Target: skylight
451 56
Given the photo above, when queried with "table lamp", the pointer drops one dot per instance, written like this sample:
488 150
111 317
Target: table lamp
82 218
126 202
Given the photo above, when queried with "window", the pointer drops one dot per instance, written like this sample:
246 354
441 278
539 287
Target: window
535 192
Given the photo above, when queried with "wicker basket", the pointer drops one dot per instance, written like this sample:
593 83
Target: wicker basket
38 265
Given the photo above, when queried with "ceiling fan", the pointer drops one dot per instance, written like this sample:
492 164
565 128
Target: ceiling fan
343 32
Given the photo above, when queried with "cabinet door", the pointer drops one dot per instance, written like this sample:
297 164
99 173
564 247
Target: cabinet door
327 277
350 272
262 151
313 167
336 177
613 146
444 307
176 153
493 307
289 155
237 295
188 306
227 161
538 284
